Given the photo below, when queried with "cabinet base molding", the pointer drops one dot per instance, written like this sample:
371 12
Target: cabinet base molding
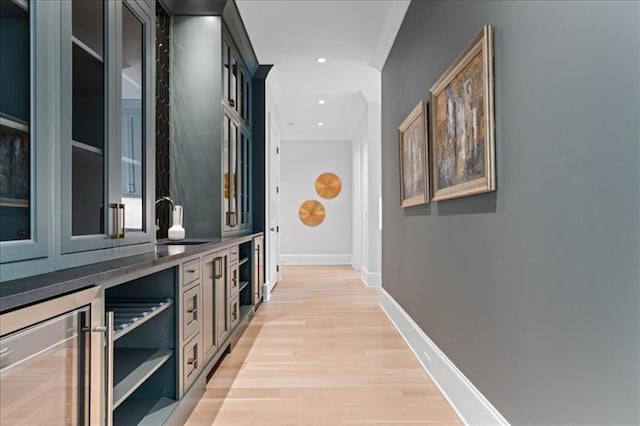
470 405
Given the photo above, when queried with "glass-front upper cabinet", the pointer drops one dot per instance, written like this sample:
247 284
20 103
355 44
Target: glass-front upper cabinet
105 149
23 210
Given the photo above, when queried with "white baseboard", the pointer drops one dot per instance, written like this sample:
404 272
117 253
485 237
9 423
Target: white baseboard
316 259
472 407
371 279
267 288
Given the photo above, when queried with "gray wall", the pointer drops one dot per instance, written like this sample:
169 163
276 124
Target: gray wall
532 291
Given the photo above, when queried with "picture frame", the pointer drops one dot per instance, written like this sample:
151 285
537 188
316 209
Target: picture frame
413 153
462 123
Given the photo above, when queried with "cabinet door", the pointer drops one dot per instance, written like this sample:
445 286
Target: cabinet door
222 293
100 144
25 128
85 145
258 276
213 278
137 150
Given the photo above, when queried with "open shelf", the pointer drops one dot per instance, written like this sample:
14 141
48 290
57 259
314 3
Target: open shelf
129 315
243 284
86 48
144 411
134 367
86 147
243 261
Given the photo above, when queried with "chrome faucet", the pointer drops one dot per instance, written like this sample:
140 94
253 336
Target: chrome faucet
171 203
168 200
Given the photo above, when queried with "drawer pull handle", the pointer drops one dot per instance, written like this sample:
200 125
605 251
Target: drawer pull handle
192 361
191 271
192 310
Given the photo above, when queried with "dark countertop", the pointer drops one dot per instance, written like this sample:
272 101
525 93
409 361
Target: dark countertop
27 291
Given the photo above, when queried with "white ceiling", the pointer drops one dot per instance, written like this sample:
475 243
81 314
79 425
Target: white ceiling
354 35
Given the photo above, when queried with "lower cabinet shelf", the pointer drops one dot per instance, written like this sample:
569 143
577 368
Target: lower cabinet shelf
134 367
131 314
144 411
244 311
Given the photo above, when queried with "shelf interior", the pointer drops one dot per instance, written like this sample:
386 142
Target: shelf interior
244 311
243 285
144 411
243 261
132 367
129 315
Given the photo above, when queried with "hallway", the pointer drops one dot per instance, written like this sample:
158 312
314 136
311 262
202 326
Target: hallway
322 351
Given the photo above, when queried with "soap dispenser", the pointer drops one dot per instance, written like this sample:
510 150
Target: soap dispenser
176 232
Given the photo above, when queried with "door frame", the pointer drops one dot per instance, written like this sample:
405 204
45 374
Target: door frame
273 275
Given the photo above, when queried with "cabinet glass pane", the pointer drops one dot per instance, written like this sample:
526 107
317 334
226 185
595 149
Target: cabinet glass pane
244 171
247 100
15 108
225 168
40 379
88 118
233 76
233 174
133 137
241 95
225 70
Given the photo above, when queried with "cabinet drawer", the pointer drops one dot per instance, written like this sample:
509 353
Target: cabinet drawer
190 271
233 254
234 279
234 307
191 308
191 361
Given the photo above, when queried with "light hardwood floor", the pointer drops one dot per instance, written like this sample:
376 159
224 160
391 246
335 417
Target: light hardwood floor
321 352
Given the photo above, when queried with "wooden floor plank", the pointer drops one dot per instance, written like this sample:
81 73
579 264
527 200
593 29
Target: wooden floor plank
322 352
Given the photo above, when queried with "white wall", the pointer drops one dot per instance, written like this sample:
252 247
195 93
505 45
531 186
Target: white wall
301 162
367 235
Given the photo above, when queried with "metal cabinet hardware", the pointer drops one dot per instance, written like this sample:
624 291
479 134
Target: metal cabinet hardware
118 220
217 269
109 366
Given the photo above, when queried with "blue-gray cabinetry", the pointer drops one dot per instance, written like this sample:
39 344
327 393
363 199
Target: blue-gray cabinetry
107 127
77 140
211 158
27 119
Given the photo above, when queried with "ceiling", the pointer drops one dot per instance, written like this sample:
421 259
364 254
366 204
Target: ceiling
355 37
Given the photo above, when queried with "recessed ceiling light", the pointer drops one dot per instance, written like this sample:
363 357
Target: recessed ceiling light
321 60
321 101
320 124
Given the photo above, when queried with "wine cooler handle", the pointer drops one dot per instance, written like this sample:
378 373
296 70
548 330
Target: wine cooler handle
109 368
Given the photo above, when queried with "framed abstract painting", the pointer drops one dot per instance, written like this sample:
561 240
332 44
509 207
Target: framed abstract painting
462 120
414 176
